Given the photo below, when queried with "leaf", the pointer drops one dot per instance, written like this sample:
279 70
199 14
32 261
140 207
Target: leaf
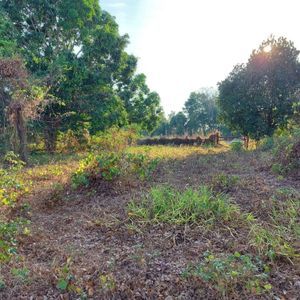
62 284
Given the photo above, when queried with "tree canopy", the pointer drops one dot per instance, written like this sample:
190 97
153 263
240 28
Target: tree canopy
257 97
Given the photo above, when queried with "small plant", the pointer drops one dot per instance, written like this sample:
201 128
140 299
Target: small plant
227 273
8 234
271 244
236 146
21 274
224 183
13 161
164 204
278 168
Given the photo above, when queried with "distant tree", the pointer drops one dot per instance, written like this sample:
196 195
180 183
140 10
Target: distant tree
178 123
257 97
201 111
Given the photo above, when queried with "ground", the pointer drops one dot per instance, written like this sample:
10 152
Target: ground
86 239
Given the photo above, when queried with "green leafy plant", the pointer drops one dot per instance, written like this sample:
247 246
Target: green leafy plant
165 204
230 272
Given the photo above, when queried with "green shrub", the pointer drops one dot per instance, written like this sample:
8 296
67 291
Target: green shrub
287 154
11 187
236 146
109 166
8 233
164 204
114 140
266 144
228 273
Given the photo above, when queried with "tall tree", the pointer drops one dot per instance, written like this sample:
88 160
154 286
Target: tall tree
77 52
257 97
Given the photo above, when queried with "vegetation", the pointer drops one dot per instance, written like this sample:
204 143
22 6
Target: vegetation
92 208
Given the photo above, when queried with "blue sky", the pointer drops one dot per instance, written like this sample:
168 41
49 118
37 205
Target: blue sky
183 46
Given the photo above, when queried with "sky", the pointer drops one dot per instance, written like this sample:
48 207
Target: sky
186 45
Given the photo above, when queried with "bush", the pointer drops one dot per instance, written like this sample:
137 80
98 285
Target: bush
228 273
114 140
164 204
266 144
236 146
109 166
287 154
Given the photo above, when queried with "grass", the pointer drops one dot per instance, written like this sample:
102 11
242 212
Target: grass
165 204
173 152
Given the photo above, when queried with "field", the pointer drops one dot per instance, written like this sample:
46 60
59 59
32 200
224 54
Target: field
209 223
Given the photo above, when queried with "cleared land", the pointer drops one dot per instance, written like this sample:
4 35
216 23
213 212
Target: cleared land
90 243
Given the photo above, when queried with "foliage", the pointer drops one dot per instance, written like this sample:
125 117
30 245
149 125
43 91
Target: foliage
76 52
164 204
257 97
11 188
286 153
110 165
236 146
271 243
201 111
229 272
8 233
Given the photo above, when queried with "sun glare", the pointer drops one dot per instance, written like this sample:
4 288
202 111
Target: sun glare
268 48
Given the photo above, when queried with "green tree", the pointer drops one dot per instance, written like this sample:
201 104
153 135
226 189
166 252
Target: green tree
76 51
178 123
257 97
201 111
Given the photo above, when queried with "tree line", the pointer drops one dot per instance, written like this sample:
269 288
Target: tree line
254 100
69 69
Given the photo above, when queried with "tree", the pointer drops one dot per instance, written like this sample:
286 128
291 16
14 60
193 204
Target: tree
257 97
17 99
76 51
201 111
178 123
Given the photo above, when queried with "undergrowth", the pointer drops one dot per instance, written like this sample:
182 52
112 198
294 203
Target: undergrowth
202 206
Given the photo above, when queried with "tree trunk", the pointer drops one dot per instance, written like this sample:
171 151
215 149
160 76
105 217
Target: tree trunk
21 132
50 136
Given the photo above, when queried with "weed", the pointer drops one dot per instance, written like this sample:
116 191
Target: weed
21 274
164 204
271 244
229 272
224 183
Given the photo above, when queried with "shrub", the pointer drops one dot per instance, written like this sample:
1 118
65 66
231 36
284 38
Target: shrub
8 233
109 165
114 140
236 146
11 188
287 154
266 144
164 204
228 273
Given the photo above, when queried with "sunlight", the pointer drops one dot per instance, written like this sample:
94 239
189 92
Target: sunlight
268 48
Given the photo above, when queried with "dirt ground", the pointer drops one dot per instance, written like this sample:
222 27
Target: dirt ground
88 236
